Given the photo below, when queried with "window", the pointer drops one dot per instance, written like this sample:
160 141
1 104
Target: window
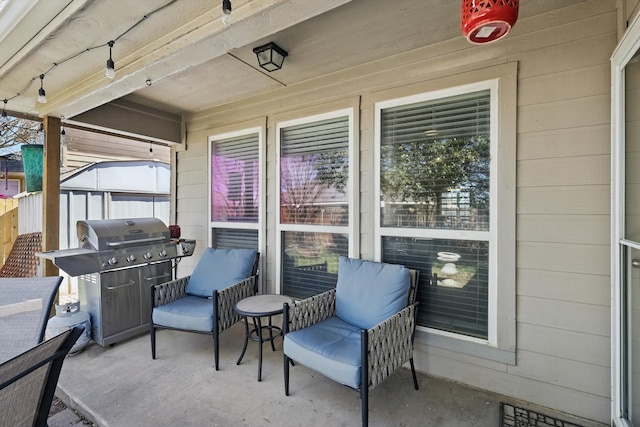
235 197
315 200
437 171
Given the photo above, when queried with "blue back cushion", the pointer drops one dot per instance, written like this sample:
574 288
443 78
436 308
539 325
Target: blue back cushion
220 268
369 292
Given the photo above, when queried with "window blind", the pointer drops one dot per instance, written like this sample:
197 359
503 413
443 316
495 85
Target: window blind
234 179
314 172
460 116
229 238
454 302
328 135
314 178
435 162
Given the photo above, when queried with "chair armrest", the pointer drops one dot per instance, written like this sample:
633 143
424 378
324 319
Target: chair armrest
309 311
167 292
390 344
227 299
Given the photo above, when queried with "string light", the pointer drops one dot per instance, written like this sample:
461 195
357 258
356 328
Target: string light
226 12
110 71
42 96
110 63
150 149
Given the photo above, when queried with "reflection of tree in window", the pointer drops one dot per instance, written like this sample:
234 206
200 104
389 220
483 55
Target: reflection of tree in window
313 188
234 181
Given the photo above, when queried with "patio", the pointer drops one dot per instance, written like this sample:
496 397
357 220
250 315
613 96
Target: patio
122 386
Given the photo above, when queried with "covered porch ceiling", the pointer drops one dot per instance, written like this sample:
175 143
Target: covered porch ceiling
182 59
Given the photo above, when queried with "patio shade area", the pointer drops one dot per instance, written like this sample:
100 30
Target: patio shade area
122 386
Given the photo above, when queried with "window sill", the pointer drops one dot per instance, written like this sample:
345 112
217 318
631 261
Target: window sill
459 345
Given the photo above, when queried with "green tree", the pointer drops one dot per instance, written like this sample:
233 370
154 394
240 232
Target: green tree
421 171
16 131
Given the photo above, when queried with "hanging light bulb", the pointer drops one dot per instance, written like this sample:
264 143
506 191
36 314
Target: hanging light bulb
42 97
63 132
150 149
110 71
226 12
4 113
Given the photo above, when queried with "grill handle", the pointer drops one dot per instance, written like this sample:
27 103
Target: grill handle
131 283
136 242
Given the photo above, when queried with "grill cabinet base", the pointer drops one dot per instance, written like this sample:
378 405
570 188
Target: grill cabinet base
119 301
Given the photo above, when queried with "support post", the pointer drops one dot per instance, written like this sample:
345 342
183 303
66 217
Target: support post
51 191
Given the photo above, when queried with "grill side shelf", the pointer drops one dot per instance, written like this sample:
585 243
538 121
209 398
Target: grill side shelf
73 261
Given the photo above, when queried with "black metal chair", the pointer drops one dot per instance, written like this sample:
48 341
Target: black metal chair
28 381
204 302
359 333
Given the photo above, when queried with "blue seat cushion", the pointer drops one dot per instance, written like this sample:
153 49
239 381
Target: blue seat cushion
330 347
220 268
191 313
368 292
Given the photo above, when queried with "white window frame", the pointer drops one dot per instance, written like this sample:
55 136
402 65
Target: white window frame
623 54
351 229
259 225
500 344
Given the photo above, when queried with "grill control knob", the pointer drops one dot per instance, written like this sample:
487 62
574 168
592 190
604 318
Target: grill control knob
131 258
147 255
112 261
163 253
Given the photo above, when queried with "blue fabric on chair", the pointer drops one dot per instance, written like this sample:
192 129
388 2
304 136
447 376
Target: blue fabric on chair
190 313
331 347
227 266
359 301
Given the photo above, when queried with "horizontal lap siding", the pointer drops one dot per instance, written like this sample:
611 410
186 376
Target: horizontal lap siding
563 192
563 249
191 195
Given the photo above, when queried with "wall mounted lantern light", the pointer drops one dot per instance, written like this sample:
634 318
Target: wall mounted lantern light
270 56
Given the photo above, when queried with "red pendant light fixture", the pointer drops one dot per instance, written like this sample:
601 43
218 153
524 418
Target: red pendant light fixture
485 21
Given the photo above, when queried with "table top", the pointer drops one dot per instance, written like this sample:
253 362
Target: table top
262 305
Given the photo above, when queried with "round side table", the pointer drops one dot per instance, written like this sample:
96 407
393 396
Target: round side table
257 307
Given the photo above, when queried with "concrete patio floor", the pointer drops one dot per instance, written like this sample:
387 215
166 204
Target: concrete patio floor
122 386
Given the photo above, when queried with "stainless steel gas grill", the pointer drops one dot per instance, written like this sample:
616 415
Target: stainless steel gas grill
117 262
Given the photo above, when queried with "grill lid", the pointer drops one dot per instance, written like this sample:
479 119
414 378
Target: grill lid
107 234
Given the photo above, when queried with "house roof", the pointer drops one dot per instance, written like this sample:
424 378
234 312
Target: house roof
11 159
133 176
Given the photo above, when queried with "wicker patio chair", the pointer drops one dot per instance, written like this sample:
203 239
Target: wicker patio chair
204 302
25 307
359 333
28 381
